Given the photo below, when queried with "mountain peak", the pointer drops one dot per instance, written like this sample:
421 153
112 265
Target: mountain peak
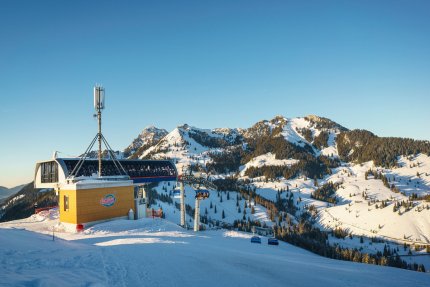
324 123
183 126
151 129
149 136
314 118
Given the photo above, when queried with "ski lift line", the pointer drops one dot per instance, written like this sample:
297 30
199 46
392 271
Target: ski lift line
192 180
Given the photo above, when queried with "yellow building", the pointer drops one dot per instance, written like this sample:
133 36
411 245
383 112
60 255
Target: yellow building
86 197
94 200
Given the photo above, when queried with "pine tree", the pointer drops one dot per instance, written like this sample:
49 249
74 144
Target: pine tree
215 209
223 214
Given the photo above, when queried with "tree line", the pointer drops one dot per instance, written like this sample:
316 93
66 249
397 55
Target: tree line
384 151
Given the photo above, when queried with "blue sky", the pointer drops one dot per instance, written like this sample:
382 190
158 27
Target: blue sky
364 64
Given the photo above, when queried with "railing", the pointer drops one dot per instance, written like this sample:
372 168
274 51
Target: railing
154 213
37 210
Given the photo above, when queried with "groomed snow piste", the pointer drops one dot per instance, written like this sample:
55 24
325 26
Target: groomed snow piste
157 252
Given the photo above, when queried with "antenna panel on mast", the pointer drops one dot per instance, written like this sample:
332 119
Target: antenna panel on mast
99 98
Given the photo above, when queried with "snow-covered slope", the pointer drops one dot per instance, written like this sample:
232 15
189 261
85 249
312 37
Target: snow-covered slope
296 129
290 131
268 159
220 206
366 206
361 210
188 145
156 252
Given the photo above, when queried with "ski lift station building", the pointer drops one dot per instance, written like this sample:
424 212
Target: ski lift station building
87 197
92 190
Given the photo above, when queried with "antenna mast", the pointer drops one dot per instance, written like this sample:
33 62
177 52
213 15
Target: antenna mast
99 105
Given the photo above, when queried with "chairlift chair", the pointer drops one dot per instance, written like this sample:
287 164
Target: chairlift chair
176 193
256 239
202 194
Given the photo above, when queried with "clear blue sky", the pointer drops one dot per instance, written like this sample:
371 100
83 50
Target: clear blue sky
364 64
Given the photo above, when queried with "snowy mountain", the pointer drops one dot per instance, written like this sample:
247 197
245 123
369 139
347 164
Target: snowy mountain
225 150
147 138
311 132
352 182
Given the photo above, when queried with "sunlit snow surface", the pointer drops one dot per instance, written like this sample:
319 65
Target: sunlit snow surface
157 252
268 159
353 213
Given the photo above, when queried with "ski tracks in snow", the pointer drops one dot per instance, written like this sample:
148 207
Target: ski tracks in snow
115 273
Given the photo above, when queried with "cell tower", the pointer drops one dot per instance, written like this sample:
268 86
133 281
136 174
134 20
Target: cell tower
99 105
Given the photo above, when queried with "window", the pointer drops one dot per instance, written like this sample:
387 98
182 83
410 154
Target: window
66 203
49 172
